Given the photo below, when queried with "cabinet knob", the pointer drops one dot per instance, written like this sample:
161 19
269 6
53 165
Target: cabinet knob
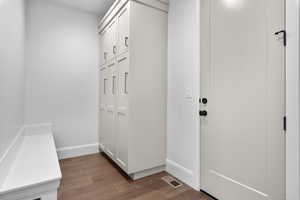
114 49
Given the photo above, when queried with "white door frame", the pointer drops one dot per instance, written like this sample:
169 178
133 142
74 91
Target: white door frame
292 100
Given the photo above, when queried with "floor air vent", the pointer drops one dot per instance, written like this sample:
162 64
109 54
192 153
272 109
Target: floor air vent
172 181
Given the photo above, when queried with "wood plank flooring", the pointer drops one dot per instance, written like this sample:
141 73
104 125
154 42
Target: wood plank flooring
94 177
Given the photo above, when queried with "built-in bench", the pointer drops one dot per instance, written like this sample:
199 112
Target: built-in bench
34 172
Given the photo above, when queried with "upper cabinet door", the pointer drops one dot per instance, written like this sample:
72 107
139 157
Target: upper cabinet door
123 29
112 41
103 47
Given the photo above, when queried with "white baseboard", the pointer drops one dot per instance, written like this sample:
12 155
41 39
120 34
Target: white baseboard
65 152
183 174
32 129
148 172
75 151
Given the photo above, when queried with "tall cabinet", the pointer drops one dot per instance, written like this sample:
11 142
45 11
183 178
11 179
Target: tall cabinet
133 85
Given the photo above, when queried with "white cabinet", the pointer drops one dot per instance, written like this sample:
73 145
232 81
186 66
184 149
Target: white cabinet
133 82
114 38
123 30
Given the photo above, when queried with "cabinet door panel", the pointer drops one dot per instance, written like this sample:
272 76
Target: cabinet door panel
111 84
111 90
123 30
101 48
112 35
109 127
104 46
122 138
101 128
122 122
102 108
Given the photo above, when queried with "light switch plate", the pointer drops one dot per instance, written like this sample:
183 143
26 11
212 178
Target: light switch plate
188 94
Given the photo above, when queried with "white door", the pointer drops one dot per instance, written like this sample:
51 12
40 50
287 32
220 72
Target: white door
122 118
243 81
123 30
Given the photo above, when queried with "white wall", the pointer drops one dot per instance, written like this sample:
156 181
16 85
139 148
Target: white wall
62 72
12 30
183 91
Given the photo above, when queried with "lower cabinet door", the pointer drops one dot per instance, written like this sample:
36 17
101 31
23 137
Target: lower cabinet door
101 127
109 136
102 107
122 118
111 109
103 110
122 139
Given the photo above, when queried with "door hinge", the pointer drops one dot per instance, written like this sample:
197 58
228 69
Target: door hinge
284 123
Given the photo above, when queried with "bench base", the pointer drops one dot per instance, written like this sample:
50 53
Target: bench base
47 196
46 191
33 172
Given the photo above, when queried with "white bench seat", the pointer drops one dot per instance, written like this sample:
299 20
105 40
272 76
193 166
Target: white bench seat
35 172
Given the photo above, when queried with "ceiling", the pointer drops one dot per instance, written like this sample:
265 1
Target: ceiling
97 7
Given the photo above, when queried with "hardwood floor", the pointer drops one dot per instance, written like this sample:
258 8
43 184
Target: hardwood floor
94 177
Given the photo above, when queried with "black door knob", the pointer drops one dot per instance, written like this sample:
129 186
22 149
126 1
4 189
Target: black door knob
203 113
204 100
